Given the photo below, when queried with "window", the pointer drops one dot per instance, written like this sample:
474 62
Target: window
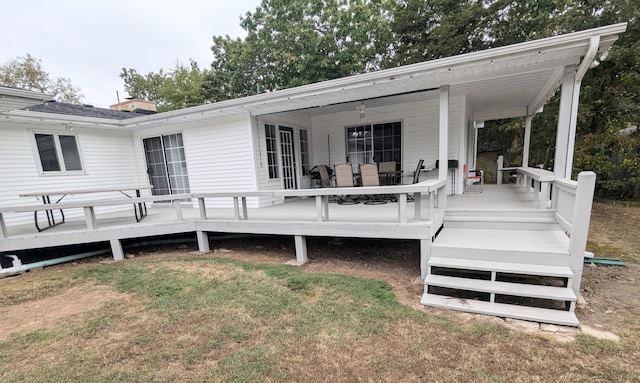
272 150
374 143
58 152
304 151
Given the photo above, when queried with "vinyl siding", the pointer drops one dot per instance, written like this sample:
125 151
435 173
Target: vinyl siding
107 157
419 132
218 154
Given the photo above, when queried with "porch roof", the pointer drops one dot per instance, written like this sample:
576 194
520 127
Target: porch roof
509 81
502 82
14 98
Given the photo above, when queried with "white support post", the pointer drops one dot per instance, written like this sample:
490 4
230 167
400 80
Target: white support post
417 205
443 134
527 141
565 117
116 250
178 207
3 228
236 208
544 194
431 208
301 249
581 218
319 215
402 208
245 215
90 218
325 207
202 207
203 241
425 254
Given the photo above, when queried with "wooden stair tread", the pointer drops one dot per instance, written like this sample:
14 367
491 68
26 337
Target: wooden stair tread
547 241
505 288
565 318
503 267
474 218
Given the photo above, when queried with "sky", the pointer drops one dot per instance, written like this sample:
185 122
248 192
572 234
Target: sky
90 41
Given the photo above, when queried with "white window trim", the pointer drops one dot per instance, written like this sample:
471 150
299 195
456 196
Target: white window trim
58 147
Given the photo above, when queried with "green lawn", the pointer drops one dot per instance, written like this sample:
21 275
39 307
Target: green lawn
202 319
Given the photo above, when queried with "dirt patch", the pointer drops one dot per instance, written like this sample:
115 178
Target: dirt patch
53 310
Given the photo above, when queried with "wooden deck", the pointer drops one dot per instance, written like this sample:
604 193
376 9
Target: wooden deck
294 217
502 233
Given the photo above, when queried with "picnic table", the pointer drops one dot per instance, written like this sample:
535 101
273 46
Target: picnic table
139 208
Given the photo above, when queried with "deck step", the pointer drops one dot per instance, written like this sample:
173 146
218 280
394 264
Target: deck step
502 267
513 241
503 288
565 318
517 213
540 222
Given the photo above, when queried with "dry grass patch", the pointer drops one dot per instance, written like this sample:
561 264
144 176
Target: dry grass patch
216 319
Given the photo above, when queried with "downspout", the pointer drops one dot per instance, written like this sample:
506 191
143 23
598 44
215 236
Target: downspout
594 44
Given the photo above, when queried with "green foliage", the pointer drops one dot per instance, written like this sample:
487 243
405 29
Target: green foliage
28 73
181 87
292 43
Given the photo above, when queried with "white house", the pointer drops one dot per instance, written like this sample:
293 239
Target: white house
260 149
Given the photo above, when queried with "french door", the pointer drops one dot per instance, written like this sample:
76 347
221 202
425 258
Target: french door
166 164
288 158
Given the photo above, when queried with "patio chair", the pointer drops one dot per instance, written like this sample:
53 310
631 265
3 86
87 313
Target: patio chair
370 176
344 178
473 177
416 174
388 173
324 176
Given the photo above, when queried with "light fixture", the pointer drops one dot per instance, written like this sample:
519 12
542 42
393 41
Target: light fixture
361 108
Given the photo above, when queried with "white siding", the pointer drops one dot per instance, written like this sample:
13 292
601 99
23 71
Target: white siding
108 159
219 154
419 132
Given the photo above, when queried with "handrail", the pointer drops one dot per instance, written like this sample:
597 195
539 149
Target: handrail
541 183
322 198
427 187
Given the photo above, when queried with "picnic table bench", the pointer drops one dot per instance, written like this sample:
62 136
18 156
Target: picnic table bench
139 208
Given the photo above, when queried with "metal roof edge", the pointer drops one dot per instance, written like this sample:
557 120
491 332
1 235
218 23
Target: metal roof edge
26 116
24 93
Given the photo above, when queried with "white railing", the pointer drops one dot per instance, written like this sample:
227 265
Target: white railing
573 200
542 180
564 200
422 192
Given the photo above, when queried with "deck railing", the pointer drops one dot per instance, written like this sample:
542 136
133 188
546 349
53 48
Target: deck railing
573 200
421 192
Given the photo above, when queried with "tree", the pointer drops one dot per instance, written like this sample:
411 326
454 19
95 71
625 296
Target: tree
427 30
296 42
181 87
28 73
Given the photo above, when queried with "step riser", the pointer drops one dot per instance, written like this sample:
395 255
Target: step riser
500 225
549 213
522 257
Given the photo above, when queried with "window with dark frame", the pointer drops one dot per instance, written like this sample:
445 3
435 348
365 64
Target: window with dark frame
374 143
272 150
58 152
304 151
